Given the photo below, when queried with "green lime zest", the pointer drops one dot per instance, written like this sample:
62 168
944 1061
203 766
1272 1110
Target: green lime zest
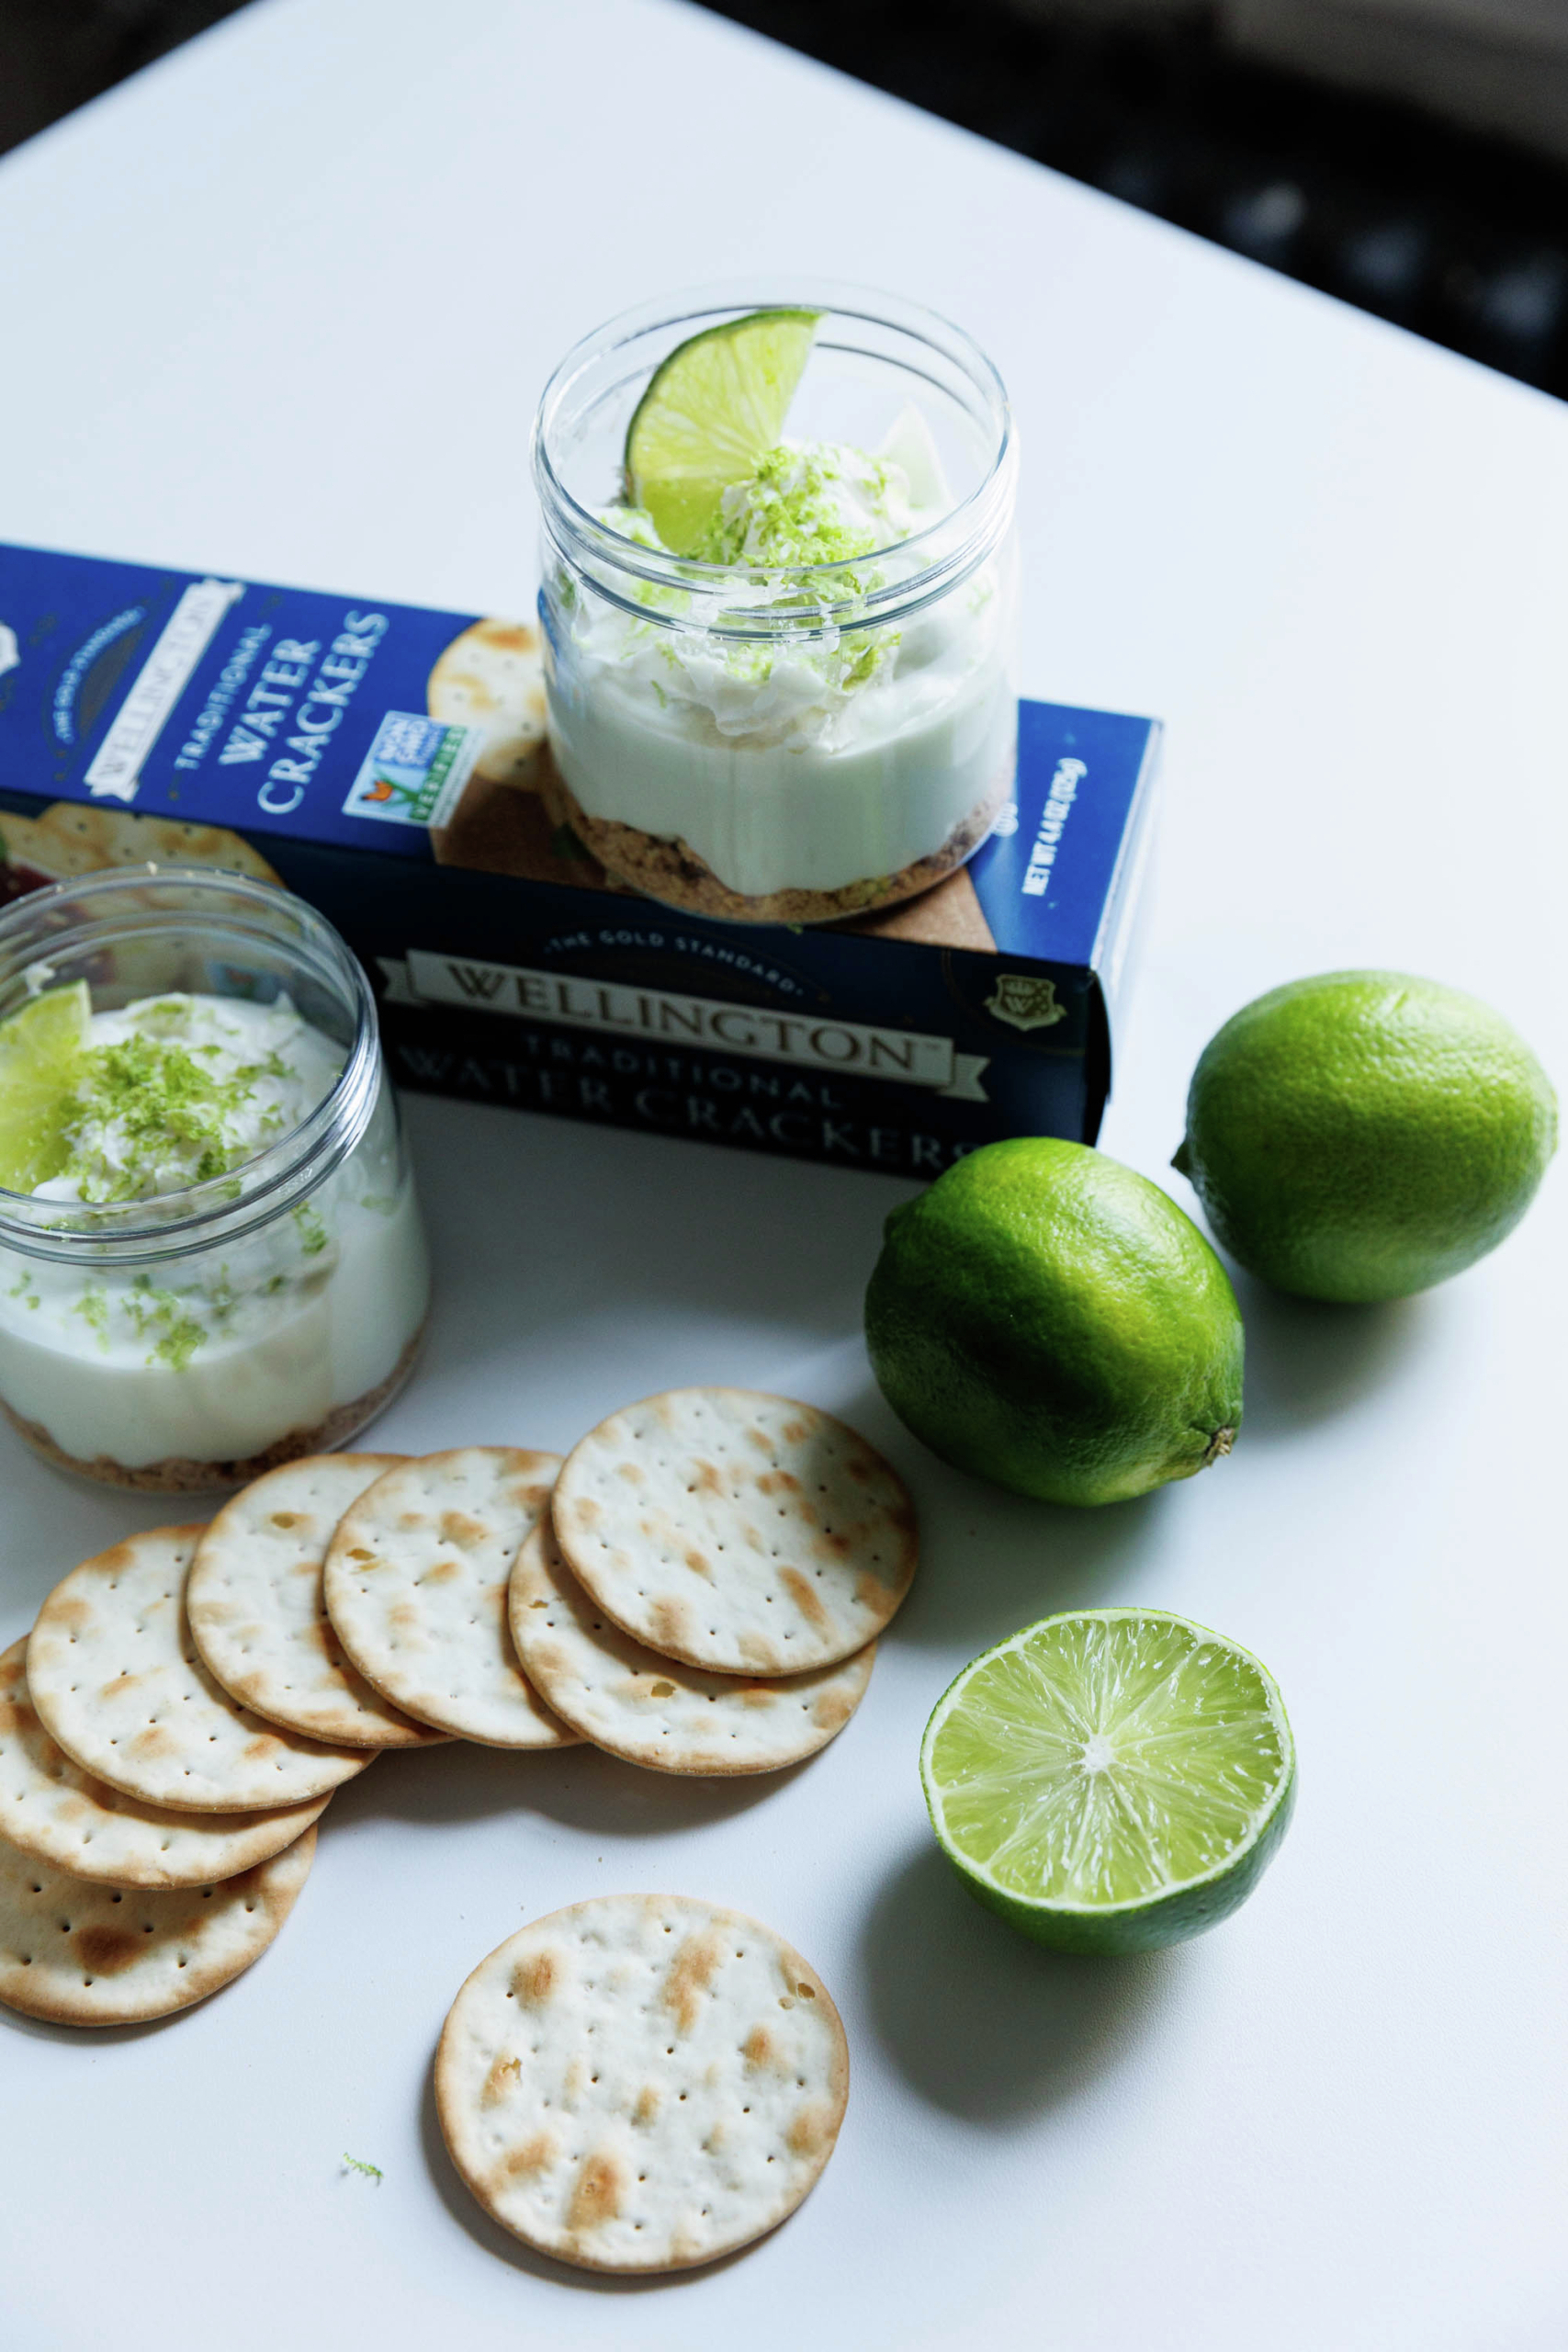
862 661
791 517
371 2172
92 1306
161 1315
150 1094
714 407
313 1236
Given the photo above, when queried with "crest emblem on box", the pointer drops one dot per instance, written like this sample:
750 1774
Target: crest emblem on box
1025 1001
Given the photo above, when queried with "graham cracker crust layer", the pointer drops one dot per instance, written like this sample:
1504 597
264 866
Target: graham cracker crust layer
179 1474
672 872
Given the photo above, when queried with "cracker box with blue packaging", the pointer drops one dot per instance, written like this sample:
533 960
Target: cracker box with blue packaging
390 765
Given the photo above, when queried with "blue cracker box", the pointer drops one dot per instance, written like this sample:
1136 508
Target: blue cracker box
389 765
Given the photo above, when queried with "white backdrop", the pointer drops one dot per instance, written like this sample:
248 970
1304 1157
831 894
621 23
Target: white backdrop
282 307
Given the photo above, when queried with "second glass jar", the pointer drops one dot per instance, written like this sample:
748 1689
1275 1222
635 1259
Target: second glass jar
793 743
192 1340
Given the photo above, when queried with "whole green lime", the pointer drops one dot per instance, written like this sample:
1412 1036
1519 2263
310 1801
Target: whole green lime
1051 1321
1364 1135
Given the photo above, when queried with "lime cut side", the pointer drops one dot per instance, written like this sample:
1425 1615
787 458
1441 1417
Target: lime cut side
711 411
40 1053
1111 1781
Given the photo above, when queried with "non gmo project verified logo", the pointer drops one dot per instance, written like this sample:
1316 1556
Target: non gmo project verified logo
414 769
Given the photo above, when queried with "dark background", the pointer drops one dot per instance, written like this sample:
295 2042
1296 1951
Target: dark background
1460 236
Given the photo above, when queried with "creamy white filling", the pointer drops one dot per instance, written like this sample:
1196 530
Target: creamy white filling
222 1352
796 763
774 816
319 1346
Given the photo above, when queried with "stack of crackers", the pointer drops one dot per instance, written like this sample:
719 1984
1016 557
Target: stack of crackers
706 1589
697 1589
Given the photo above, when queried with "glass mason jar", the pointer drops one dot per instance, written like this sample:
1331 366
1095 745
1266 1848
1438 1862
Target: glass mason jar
193 1340
787 743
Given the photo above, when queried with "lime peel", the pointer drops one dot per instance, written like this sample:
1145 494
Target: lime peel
1111 1780
1048 1318
1360 1136
41 1049
710 410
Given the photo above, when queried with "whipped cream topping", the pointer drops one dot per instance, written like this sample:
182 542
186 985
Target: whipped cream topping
176 1090
820 758
804 504
216 1353
810 503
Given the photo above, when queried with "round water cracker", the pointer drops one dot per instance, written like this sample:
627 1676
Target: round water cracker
52 1810
653 1710
117 1680
494 676
415 1585
92 839
736 1530
79 1954
641 2082
259 1614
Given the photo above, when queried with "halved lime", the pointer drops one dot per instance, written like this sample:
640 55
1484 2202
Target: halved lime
41 1050
1111 1780
711 411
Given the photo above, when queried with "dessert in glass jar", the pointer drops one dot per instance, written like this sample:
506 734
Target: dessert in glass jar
780 599
211 1258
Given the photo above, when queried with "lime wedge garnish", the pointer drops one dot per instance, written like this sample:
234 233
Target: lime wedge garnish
711 411
1111 1781
40 1052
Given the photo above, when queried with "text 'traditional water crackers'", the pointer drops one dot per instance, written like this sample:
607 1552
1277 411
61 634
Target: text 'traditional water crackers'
641 2082
736 1530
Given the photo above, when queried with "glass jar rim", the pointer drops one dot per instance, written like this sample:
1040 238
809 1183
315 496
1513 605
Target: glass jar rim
981 515
198 1216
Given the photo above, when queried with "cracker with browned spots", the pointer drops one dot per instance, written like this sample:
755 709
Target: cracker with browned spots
492 678
736 1530
82 1954
60 1815
642 2082
259 1614
657 1711
117 1681
415 1585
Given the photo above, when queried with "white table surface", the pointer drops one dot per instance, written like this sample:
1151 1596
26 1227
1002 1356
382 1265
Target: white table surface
282 306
